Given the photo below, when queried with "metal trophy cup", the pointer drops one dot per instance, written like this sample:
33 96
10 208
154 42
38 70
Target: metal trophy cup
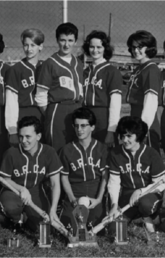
44 240
121 231
82 237
14 241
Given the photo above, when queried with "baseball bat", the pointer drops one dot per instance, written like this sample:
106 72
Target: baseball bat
109 219
41 212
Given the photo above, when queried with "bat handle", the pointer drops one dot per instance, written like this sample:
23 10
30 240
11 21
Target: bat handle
126 207
42 213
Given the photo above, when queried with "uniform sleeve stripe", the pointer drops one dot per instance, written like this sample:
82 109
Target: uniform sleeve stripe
4 174
115 91
117 173
152 91
56 171
42 86
11 88
64 173
160 174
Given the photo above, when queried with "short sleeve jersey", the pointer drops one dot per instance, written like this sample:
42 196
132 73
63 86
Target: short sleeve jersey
83 165
62 80
21 79
163 88
3 68
100 83
146 78
136 172
27 170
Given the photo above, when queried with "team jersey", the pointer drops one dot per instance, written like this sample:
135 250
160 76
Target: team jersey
145 79
3 68
100 83
83 165
163 88
136 172
21 79
27 170
62 80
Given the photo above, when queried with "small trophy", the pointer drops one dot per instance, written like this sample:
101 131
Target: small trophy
14 241
44 240
121 231
82 237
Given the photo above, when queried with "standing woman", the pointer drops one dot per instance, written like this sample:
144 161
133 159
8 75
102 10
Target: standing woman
3 132
59 88
20 83
145 84
102 86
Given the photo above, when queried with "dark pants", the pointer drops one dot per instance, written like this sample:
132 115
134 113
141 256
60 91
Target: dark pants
4 139
147 206
102 114
153 138
89 189
12 206
162 123
58 129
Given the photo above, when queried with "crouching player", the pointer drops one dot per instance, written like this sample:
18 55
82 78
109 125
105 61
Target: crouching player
84 172
26 167
133 167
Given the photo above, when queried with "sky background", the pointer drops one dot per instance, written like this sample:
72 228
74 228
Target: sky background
117 18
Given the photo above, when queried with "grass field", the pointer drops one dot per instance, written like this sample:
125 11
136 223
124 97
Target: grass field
137 246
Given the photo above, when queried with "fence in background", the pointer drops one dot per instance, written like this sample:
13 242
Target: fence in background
117 18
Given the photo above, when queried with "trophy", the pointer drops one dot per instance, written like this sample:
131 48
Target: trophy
44 240
82 236
121 231
14 241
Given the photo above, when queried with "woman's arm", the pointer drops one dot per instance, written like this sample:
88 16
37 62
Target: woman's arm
114 116
150 107
67 188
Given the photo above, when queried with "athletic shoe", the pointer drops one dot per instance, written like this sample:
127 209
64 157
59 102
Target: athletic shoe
149 224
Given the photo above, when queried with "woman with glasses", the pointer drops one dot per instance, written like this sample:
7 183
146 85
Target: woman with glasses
84 173
145 83
102 86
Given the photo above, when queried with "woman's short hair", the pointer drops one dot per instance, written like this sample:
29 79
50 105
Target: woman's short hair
30 121
133 125
143 39
34 34
2 44
84 113
108 51
67 28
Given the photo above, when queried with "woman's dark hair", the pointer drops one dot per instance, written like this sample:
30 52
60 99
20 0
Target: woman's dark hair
34 34
133 125
2 44
28 121
67 28
84 113
143 39
108 51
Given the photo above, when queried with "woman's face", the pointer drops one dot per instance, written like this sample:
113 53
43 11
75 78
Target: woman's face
66 44
139 52
96 49
129 142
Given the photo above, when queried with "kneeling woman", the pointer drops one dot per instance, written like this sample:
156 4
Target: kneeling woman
133 168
